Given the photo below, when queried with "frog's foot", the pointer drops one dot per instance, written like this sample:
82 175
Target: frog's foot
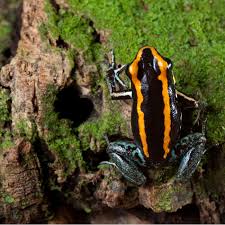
200 117
128 169
194 147
125 156
113 80
115 70
187 102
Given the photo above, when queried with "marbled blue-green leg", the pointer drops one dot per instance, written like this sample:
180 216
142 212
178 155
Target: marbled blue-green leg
127 158
192 148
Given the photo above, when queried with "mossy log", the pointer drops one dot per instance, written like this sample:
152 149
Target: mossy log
55 110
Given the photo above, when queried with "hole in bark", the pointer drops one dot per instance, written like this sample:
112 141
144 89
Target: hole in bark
95 34
2 219
7 52
65 213
70 105
94 159
11 13
188 214
61 43
55 5
91 188
45 158
222 217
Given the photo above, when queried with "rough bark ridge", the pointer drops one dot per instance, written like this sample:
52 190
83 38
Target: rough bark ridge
27 76
35 67
22 198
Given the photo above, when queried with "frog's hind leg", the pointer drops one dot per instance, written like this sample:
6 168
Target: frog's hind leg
127 168
126 157
193 148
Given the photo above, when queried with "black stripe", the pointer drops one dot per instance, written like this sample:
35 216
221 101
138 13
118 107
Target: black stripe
152 105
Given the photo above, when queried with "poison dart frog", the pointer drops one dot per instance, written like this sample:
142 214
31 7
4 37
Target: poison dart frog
156 119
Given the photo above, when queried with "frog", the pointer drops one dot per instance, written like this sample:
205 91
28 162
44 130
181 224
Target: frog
156 119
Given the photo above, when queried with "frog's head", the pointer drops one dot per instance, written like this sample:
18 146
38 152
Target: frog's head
158 62
148 60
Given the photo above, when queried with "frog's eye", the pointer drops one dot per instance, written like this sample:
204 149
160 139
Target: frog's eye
155 65
170 64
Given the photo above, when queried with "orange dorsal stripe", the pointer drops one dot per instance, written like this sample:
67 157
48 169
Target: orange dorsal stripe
167 116
133 70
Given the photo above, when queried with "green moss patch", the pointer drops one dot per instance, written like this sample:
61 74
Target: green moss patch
5 31
60 137
191 33
74 28
109 124
68 142
5 120
8 199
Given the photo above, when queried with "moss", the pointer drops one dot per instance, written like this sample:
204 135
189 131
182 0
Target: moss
5 120
6 140
68 142
165 201
5 31
109 123
60 137
50 27
8 199
191 33
43 31
170 200
87 209
161 175
4 109
26 129
74 29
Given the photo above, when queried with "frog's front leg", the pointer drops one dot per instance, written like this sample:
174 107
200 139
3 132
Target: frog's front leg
186 102
127 157
192 148
113 80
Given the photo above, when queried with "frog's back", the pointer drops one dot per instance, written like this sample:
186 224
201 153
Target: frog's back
156 118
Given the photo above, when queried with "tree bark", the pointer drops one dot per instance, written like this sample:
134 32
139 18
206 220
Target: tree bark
27 76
